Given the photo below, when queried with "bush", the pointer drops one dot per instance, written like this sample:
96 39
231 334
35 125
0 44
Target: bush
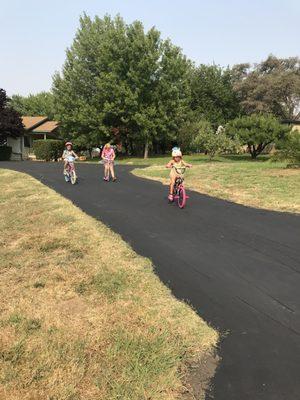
48 149
212 142
289 149
257 131
5 153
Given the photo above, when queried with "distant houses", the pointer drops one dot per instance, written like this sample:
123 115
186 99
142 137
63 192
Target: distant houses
35 128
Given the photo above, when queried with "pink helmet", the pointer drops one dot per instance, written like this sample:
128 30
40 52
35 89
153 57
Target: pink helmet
69 144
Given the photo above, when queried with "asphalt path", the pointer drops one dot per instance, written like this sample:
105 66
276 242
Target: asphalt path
239 267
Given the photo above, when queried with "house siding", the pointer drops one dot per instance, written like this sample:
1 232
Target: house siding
16 145
19 150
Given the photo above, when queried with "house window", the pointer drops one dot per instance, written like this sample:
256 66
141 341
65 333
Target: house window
26 141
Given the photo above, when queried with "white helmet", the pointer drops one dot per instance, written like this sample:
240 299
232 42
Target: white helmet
176 152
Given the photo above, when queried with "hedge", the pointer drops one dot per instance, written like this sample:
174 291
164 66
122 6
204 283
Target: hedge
5 153
48 150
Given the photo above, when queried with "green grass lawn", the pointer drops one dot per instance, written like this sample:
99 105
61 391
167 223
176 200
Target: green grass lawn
258 183
83 317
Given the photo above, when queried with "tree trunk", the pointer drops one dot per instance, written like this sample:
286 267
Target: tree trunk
146 149
252 151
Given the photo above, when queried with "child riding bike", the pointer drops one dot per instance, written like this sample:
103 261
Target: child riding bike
108 155
68 152
178 167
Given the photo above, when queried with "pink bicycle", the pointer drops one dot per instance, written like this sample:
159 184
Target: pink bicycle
179 192
70 175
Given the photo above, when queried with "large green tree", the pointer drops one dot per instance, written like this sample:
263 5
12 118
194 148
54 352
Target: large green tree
272 86
39 104
117 78
257 131
212 94
10 120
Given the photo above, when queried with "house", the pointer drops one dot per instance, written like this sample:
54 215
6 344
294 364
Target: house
35 128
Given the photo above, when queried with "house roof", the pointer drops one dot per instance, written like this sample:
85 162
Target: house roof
32 122
46 127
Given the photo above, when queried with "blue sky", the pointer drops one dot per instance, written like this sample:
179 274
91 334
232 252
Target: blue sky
34 34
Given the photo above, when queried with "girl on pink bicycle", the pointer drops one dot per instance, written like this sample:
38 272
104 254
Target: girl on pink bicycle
68 152
178 167
108 156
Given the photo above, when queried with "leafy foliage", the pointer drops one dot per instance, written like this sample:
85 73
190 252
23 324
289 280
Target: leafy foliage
257 131
212 94
10 120
48 149
289 149
212 142
40 104
273 86
120 81
200 136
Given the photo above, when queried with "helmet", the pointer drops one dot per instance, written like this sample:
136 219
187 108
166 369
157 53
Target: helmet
68 144
176 152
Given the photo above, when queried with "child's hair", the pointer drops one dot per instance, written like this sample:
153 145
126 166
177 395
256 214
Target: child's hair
107 146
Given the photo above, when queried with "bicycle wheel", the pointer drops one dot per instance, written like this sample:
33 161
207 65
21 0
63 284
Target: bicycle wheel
181 197
73 177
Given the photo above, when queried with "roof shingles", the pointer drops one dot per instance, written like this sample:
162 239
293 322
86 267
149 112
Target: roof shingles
46 127
32 122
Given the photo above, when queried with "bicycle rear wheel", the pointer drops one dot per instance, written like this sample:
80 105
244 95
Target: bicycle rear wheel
181 197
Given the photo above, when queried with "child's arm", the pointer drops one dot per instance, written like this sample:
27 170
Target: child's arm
170 164
75 155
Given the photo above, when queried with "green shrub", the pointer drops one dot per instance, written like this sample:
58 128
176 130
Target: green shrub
5 153
289 149
257 131
48 149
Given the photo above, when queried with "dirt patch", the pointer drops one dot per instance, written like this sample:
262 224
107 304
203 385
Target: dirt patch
199 376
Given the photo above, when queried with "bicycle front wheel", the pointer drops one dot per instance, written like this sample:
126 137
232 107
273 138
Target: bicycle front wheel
181 197
73 177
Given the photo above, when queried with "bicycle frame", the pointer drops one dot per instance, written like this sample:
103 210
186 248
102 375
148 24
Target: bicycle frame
70 173
70 167
179 192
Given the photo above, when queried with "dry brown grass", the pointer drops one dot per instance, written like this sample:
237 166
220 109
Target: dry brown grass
82 315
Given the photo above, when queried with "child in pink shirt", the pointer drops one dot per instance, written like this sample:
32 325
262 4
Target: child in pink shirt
108 155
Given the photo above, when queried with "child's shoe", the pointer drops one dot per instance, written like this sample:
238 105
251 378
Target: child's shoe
106 179
171 197
114 179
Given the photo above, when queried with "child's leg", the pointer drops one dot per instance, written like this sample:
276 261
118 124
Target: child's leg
111 168
172 183
105 170
65 166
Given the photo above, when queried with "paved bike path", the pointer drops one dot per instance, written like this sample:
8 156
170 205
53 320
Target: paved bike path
239 267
